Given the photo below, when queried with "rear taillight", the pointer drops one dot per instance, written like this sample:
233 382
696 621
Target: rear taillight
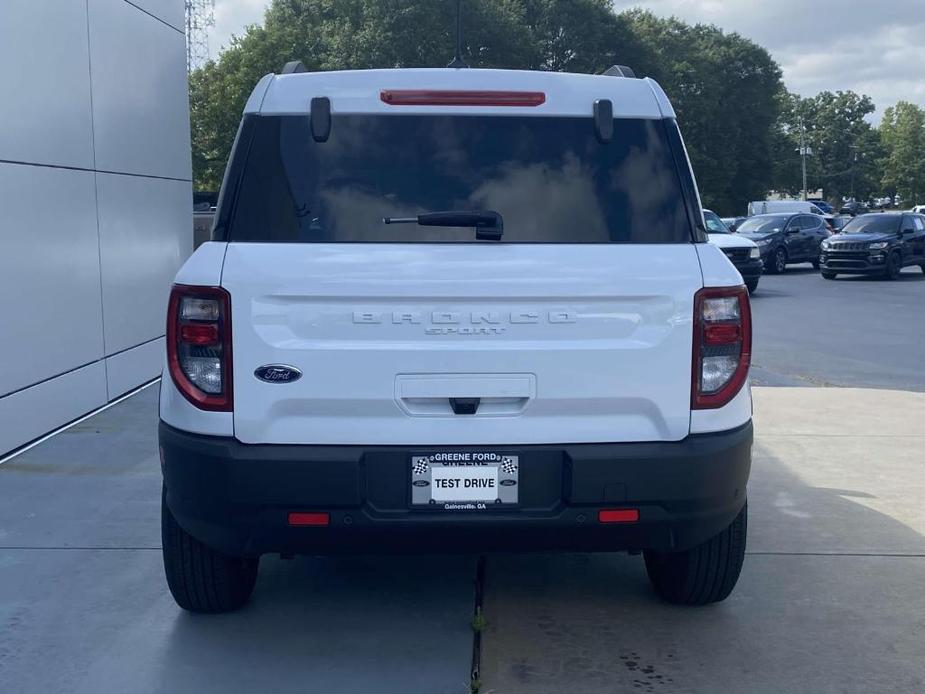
722 345
199 345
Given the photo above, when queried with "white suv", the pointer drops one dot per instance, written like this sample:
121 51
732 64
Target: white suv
456 310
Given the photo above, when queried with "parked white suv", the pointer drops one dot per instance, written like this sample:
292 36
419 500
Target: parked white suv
744 253
456 310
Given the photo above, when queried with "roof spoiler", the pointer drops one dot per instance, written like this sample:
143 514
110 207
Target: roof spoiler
292 67
619 71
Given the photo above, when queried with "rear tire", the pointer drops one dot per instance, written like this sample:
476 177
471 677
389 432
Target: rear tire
828 275
752 286
705 573
201 579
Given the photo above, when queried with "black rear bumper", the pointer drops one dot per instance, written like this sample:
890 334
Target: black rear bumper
237 497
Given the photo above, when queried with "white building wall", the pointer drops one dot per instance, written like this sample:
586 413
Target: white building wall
95 202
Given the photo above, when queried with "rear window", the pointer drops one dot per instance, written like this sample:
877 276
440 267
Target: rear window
548 177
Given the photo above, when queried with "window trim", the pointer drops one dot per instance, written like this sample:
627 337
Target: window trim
685 174
231 182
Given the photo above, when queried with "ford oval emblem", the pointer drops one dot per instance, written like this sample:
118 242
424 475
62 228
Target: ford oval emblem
277 373
421 483
508 483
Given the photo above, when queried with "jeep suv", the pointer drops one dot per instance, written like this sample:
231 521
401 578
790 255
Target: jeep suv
880 244
456 310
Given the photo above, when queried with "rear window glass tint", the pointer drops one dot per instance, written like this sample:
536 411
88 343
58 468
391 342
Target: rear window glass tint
548 177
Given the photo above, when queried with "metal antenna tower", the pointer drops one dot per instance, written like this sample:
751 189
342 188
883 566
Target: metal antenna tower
200 16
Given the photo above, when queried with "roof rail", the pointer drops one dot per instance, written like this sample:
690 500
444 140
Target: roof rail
619 71
293 66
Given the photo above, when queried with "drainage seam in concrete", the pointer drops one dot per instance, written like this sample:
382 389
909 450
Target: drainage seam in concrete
42 439
475 681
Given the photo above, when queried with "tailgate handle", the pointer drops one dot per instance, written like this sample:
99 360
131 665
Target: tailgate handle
449 395
465 405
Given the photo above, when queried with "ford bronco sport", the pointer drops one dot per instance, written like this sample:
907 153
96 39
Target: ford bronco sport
456 310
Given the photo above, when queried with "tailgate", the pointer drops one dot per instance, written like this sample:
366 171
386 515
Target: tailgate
558 343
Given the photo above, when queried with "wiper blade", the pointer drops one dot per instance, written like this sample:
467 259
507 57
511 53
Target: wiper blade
488 224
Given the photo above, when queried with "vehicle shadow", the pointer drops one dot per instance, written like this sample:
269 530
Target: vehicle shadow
800 269
763 292
907 275
351 624
821 566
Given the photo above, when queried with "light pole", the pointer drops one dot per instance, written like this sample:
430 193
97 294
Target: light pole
804 152
854 163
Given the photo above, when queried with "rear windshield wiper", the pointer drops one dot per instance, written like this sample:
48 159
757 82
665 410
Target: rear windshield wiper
488 224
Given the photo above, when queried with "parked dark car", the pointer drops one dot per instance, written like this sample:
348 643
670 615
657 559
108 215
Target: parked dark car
786 238
876 244
822 205
853 209
733 223
203 214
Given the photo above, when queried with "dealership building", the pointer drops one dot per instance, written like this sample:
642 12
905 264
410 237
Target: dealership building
95 202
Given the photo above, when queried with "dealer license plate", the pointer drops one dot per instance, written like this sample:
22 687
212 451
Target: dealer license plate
464 481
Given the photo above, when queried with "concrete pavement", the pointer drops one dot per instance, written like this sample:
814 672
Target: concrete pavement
84 607
830 598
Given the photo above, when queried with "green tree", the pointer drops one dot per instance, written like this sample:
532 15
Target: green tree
574 35
787 174
902 132
845 147
723 86
725 90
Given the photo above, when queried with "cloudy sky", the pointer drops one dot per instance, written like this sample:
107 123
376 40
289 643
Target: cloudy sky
875 48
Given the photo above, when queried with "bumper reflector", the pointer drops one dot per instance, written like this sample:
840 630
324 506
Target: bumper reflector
309 519
618 515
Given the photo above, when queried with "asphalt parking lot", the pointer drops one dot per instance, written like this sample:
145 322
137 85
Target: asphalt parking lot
830 599
851 331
